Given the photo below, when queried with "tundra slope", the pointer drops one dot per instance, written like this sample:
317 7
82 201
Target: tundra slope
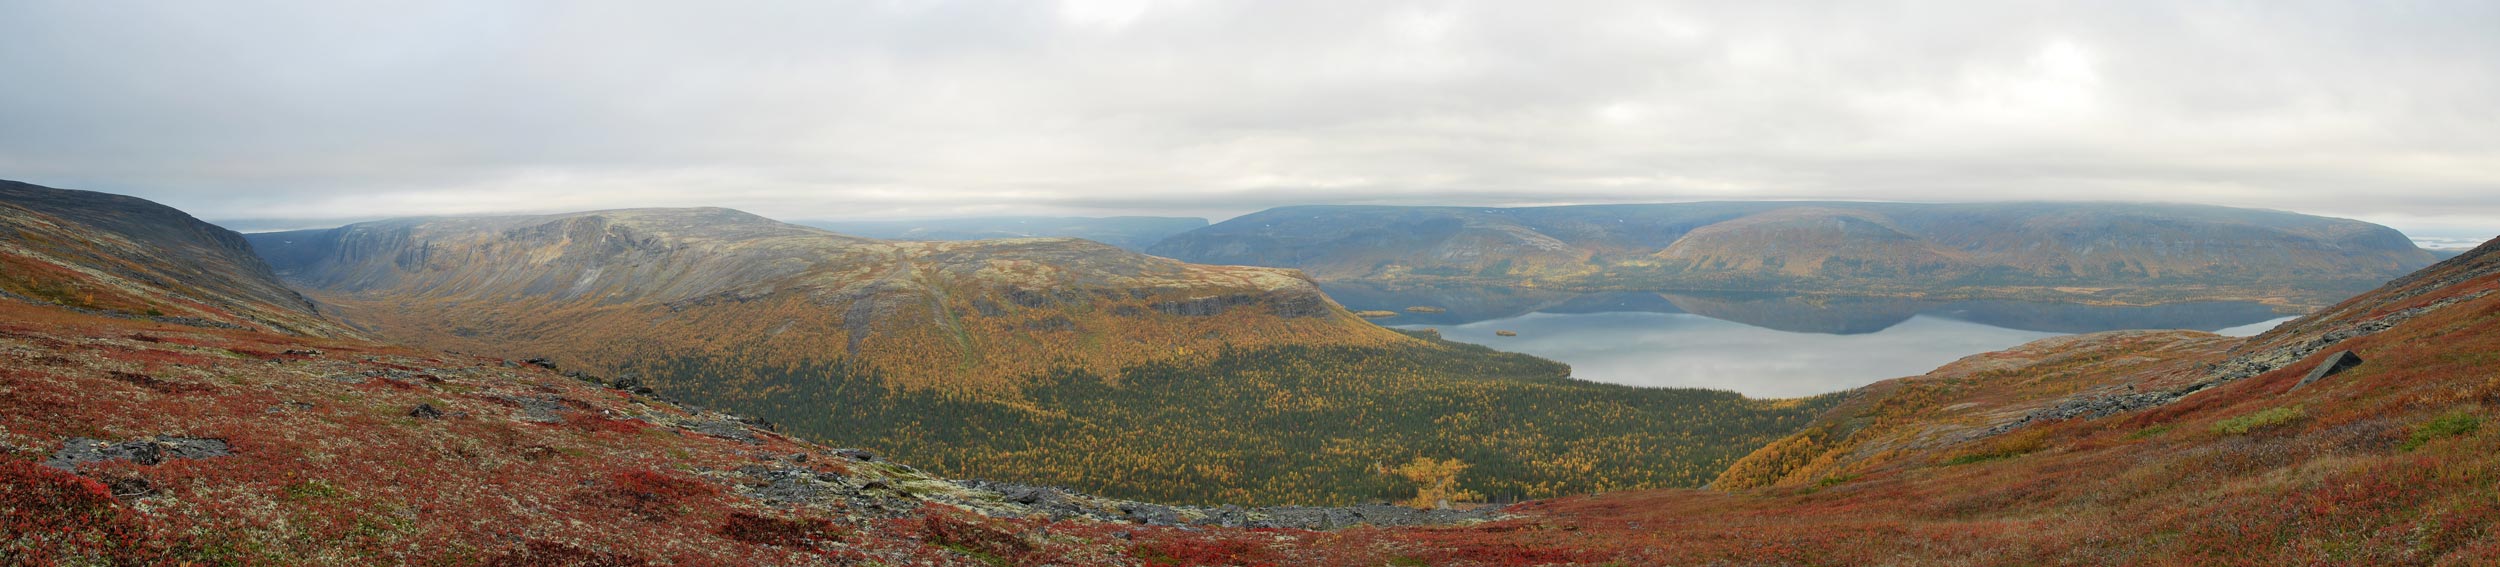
2079 252
128 257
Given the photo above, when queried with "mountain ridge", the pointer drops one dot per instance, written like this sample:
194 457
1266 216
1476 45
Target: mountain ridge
1133 233
640 267
2126 253
135 258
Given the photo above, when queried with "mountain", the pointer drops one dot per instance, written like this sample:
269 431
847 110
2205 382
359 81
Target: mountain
1128 233
612 285
2083 252
128 257
1058 361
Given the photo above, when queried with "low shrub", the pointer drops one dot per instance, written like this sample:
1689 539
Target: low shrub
2260 420
765 530
2454 424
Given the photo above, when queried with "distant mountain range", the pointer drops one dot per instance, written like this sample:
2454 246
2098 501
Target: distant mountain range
1844 315
1131 233
2083 252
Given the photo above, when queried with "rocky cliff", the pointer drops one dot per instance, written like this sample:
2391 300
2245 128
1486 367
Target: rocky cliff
1128 233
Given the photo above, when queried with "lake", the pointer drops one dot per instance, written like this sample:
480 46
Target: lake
1765 346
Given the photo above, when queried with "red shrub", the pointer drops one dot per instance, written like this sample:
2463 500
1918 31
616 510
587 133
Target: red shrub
977 535
1202 550
652 495
596 424
159 386
52 517
552 554
762 530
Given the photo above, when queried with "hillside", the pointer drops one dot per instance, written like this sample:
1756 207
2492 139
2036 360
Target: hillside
602 287
1056 361
128 257
1128 233
2126 448
2082 252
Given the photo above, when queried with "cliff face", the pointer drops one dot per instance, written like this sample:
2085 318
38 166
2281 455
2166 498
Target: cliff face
134 258
1128 233
2118 253
604 287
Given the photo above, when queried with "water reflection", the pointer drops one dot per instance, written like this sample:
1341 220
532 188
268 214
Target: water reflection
1764 345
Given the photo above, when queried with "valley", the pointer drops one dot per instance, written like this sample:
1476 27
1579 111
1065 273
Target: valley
1054 361
1763 345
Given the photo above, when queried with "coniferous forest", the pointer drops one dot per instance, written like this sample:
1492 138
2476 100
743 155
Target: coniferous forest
1267 425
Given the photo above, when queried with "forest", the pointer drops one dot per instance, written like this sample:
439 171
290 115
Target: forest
1265 425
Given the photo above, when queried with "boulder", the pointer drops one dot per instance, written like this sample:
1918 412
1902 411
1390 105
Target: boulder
2335 363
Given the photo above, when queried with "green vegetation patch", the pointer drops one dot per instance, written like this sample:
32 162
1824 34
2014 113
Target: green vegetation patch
2455 424
2150 432
2260 420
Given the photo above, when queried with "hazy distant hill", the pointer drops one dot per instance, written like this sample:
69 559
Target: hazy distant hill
2138 253
1132 233
124 255
1042 360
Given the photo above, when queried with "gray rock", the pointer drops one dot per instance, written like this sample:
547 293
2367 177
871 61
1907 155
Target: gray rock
2334 363
730 429
146 451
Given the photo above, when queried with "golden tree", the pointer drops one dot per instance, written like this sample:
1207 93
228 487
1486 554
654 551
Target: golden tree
1436 482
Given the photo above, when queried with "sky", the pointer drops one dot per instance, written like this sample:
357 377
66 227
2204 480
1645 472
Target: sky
269 114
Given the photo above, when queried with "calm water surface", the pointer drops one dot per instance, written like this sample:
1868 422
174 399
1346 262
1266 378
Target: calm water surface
1766 346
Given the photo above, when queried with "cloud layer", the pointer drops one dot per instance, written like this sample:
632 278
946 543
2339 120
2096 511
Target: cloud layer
324 110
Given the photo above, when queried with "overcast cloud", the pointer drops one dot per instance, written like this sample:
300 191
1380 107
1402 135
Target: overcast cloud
2387 111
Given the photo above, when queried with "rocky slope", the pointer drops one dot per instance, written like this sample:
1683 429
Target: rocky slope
128 442
2091 252
1128 233
596 289
128 257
